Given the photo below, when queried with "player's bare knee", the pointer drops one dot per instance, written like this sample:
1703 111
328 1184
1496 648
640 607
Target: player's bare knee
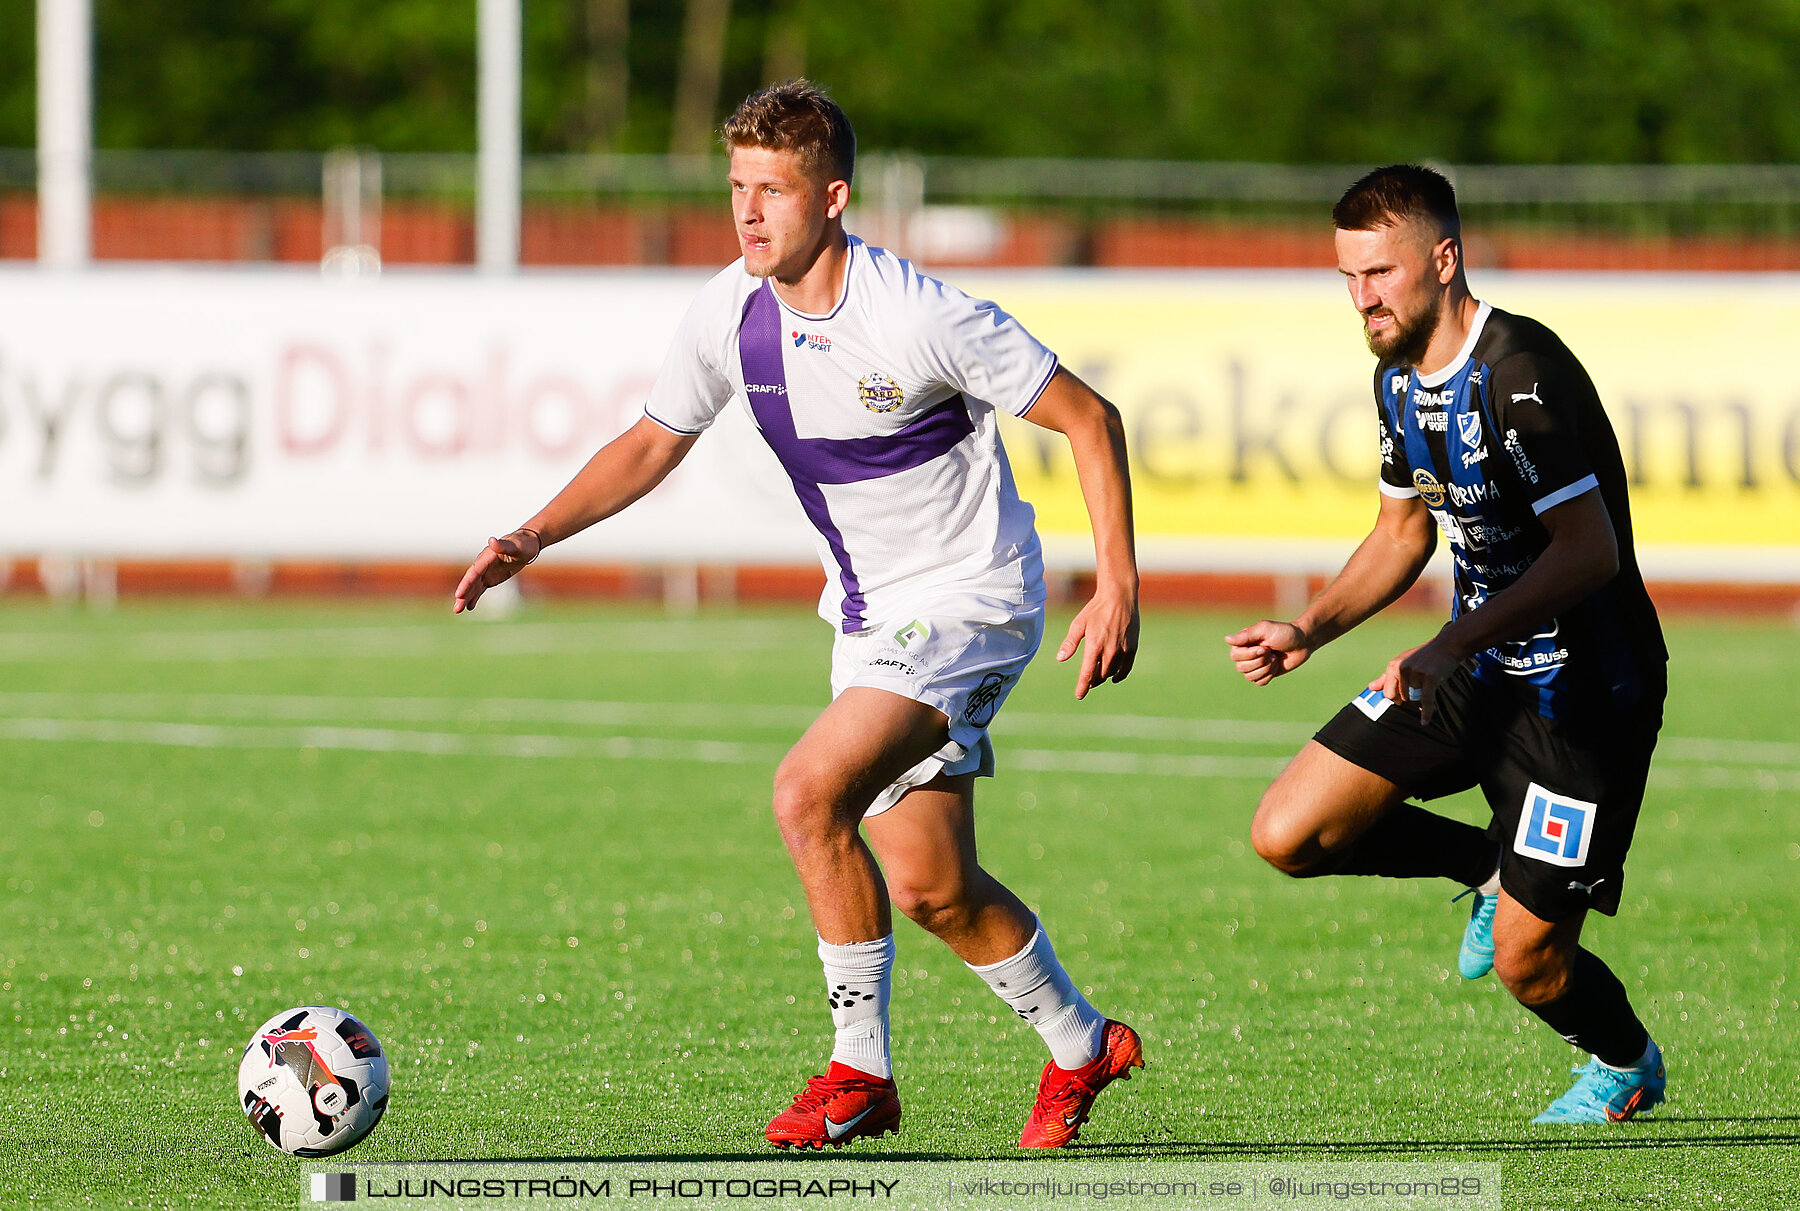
1281 841
805 805
932 907
1535 974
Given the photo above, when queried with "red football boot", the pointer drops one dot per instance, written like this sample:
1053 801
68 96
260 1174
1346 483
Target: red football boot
833 1109
1064 1097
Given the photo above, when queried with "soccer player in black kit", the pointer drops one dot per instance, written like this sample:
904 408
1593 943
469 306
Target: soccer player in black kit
1546 687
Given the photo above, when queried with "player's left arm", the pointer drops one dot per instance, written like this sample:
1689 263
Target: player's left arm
1108 624
1582 557
1541 461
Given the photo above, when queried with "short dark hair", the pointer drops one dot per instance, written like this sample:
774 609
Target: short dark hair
1395 194
798 116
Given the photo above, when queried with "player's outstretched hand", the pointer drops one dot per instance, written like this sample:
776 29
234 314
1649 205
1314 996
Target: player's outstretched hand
499 561
1109 626
1265 650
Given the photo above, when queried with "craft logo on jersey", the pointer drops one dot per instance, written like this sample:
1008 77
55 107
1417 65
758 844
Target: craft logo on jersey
1430 490
811 340
1554 829
879 393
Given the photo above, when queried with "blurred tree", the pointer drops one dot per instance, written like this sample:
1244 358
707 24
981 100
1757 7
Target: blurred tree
1302 81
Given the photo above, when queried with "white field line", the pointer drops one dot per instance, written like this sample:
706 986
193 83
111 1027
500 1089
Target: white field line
1722 763
387 740
513 639
335 708
585 712
622 748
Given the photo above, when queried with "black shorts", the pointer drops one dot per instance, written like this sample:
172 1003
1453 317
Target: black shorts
1565 795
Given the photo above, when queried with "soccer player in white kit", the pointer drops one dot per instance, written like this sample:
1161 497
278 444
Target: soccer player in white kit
877 388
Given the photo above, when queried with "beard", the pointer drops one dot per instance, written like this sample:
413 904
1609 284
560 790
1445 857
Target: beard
1405 341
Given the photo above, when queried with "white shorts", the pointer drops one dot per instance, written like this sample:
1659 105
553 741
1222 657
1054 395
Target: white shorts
964 669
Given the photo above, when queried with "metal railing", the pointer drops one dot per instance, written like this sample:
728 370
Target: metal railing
976 208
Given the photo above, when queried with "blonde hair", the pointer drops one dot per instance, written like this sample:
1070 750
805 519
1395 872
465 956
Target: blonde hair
798 116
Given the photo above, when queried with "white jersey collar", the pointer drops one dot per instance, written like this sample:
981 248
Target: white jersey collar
849 268
1439 378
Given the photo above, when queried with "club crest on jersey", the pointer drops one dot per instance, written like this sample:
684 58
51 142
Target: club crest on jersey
1430 490
811 340
1468 425
879 393
1554 829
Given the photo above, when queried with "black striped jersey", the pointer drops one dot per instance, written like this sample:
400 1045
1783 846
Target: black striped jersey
1510 428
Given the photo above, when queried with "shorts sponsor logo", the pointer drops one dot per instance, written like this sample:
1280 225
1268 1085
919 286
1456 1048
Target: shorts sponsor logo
1554 828
1430 490
913 632
984 701
1371 703
878 392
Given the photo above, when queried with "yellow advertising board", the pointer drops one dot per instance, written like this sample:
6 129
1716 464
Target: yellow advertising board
1250 412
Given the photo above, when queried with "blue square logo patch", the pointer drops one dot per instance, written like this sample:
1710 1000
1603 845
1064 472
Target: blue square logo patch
1372 703
1554 828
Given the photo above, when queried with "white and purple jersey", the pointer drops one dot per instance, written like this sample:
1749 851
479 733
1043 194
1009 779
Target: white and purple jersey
882 413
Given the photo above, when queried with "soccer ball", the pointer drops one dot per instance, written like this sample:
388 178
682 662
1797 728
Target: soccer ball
313 1081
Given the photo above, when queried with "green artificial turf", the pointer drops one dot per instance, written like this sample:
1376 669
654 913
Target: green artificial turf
575 929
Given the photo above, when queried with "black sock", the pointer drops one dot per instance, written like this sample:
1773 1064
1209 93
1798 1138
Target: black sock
1594 1014
1412 843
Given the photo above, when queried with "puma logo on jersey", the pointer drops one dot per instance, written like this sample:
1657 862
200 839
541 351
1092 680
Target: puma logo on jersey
1531 395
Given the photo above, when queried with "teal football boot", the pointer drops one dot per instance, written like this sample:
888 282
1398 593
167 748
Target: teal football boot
1607 1095
1476 958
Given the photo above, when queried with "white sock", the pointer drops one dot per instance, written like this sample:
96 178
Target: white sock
859 981
1492 886
1040 991
1644 1062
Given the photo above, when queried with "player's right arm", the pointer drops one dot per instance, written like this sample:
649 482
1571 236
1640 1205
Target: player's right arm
688 393
1387 564
621 472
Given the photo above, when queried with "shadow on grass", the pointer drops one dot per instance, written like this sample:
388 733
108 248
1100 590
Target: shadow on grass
639 1158
1620 1139
1603 1141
